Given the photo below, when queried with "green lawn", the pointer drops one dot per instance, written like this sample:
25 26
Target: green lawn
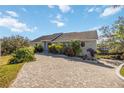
122 71
4 59
8 72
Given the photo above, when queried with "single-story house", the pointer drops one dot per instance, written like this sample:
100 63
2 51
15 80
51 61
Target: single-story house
88 37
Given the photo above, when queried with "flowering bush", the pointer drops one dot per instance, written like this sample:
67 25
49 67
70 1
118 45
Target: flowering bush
55 48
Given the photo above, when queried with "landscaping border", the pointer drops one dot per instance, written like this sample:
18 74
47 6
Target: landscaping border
118 71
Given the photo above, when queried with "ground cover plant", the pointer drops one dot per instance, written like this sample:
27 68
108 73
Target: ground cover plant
122 71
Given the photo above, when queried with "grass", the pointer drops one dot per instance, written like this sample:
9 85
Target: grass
8 72
4 59
122 71
104 56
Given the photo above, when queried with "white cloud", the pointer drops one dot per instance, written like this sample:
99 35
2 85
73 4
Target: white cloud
64 8
111 10
58 23
15 25
59 17
35 28
24 9
91 9
0 13
94 9
12 13
58 20
51 6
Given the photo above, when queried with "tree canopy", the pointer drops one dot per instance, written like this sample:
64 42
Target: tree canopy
114 35
12 43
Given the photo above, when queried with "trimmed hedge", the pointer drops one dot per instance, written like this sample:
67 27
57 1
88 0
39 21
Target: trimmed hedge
23 55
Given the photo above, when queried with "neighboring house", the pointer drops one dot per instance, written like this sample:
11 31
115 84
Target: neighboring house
89 38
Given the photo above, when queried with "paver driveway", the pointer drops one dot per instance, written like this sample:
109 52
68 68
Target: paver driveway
53 71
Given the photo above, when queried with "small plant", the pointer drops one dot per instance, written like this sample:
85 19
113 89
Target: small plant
23 55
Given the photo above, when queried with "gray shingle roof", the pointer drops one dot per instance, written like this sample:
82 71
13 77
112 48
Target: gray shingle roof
61 37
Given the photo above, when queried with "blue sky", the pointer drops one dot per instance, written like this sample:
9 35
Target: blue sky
34 21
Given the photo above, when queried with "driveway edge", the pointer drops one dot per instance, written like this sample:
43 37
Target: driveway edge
118 72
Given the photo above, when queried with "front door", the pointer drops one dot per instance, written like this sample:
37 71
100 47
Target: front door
46 47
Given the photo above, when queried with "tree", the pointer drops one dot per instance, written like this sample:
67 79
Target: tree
114 35
11 44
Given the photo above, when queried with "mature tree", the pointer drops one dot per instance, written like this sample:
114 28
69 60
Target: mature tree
115 35
11 44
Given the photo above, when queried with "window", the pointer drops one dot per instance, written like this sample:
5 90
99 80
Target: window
82 44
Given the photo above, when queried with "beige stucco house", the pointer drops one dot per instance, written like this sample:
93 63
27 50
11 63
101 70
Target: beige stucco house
88 37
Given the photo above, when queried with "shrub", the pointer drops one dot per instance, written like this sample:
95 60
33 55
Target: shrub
72 48
11 44
23 55
59 48
69 51
52 48
76 46
56 48
38 48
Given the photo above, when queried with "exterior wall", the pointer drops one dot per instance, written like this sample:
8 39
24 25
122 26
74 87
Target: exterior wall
88 44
